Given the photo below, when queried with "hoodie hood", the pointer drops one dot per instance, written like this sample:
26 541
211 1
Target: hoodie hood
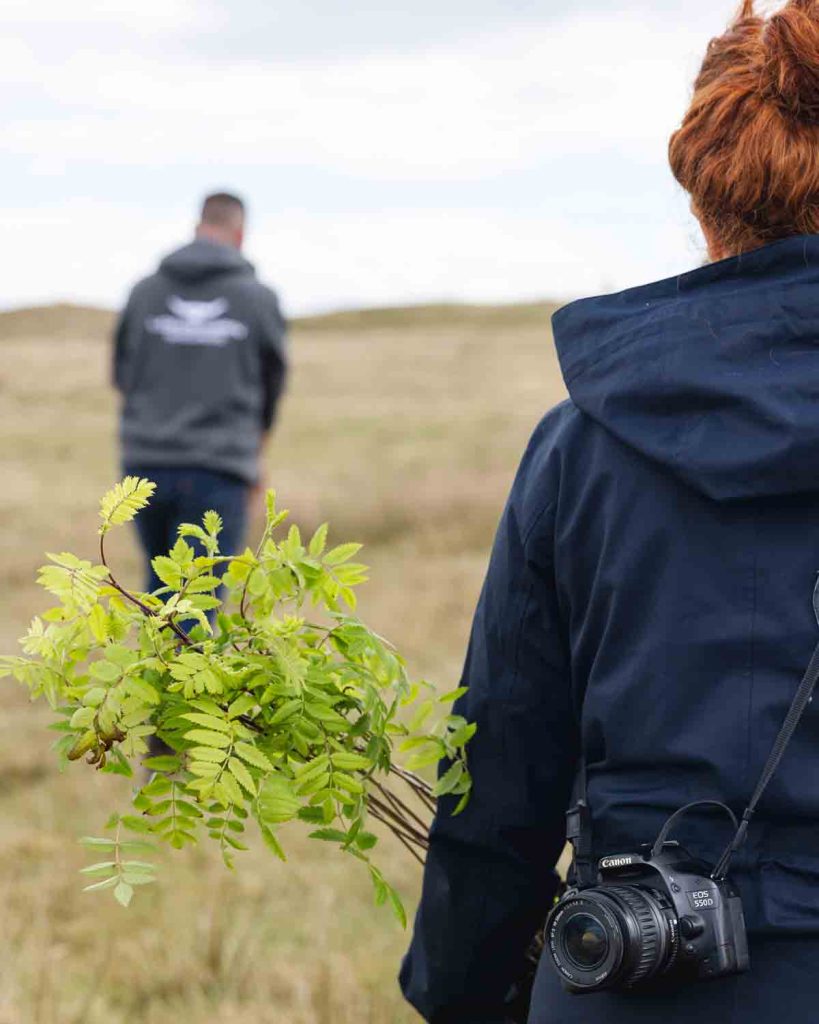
202 259
714 374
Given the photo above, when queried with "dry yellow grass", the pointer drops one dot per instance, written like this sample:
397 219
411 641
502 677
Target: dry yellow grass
403 428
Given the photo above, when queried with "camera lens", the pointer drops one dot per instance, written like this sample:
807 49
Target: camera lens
585 941
609 937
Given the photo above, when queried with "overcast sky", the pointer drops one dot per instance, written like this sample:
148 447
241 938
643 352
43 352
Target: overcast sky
484 150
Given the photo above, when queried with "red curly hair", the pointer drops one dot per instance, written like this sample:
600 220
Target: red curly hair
748 148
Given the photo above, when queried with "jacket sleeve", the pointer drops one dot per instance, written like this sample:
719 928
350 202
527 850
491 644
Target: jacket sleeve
273 328
489 879
119 353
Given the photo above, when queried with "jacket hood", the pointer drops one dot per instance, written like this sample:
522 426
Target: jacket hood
202 259
714 375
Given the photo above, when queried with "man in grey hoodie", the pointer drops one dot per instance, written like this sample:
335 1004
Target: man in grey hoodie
200 361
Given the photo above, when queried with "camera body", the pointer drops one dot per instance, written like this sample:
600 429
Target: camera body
649 919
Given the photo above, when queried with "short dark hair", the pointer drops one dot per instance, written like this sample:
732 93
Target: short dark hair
222 209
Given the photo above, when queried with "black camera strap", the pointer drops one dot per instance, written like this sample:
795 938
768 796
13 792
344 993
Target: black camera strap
803 697
579 830
579 820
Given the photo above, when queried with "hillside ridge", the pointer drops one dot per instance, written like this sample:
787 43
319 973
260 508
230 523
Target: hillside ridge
64 319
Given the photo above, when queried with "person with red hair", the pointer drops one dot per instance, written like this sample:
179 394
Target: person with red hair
649 606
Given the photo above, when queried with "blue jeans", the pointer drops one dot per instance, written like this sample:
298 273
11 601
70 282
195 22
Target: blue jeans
183 496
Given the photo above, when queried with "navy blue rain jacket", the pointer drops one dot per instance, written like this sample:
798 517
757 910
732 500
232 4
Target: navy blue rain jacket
650 590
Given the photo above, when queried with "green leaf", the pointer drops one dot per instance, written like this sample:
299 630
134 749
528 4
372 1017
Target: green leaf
137 686
101 844
98 623
203 583
107 883
462 803
192 530
182 554
231 788
216 755
117 764
208 738
212 522
312 815
168 571
162 763
123 893
124 501
449 780
342 553
137 846
158 786
463 734
82 718
103 867
329 835
185 809
343 781
208 721
253 756
74 581
137 878
397 906
244 702
365 841
318 541
269 837
326 715
379 885
426 758
453 695
105 671
287 710
239 771
120 655
318 766
277 801
135 824
425 709
350 761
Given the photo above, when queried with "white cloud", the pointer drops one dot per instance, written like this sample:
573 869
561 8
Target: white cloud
147 15
506 101
534 99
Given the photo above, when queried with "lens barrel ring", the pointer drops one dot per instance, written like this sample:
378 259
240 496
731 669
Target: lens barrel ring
649 928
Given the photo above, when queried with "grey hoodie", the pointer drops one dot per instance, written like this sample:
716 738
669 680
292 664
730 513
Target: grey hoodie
200 360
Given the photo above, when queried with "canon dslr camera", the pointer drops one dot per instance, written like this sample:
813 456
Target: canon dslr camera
652 916
635 920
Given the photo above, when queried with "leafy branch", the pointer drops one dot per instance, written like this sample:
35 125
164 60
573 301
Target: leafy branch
271 716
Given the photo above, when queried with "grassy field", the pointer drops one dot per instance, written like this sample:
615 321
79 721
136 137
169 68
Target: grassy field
403 428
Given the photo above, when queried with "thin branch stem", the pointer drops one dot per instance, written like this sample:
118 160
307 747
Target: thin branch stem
400 807
421 789
417 783
399 836
149 612
417 836
409 842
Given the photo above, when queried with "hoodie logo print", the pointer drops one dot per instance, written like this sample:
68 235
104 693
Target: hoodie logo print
196 323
